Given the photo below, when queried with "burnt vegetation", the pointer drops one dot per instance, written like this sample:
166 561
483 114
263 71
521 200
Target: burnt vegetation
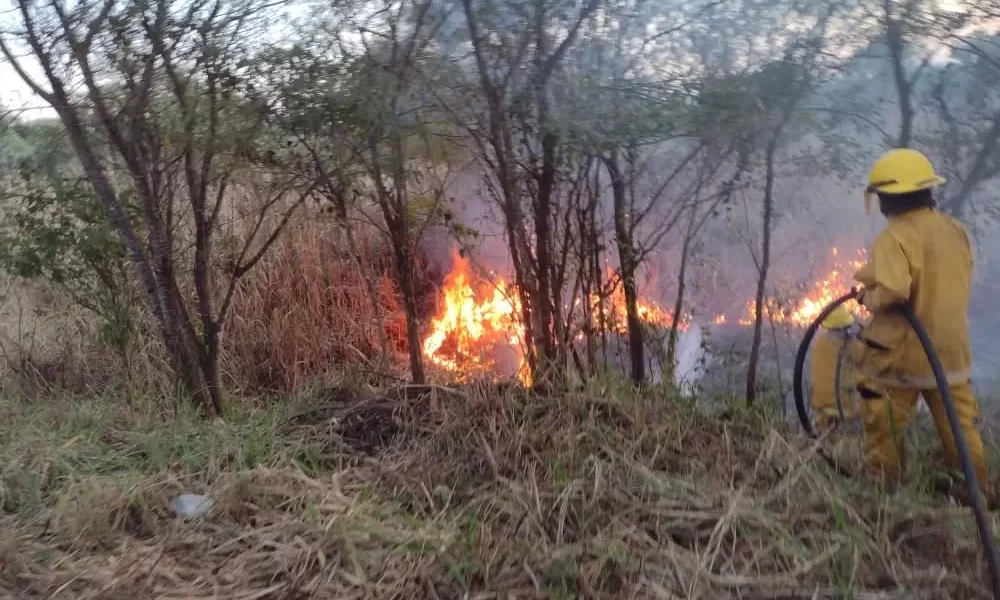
457 298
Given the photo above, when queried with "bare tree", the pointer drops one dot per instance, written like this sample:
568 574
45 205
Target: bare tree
904 25
627 263
706 204
176 135
969 134
375 145
517 106
389 69
794 76
938 108
632 113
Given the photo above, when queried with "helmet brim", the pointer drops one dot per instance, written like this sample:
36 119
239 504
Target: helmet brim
896 188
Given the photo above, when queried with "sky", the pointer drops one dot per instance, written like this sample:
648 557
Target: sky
16 95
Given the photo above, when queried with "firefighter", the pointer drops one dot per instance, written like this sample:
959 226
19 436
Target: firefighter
828 348
921 257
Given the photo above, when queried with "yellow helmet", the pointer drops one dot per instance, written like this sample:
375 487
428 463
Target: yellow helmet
838 319
900 171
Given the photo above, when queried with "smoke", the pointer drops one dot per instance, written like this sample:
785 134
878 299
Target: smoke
475 227
820 174
690 359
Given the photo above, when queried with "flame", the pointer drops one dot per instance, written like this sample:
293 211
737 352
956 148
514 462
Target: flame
612 315
822 292
477 319
472 324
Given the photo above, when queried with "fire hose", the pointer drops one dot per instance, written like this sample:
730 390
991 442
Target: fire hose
971 482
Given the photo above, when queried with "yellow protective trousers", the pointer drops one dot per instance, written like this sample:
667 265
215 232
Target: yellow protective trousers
886 412
829 347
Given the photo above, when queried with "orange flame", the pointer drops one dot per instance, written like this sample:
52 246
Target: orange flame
824 291
472 324
614 317
477 320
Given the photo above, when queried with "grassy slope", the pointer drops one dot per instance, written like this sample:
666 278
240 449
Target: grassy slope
595 495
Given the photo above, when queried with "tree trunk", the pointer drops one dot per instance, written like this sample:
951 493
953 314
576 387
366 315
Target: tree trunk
193 361
904 87
394 211
978 173
210 367
627 260
209 347
402 262
678 303
545 295
501 139
590 249
777 365
405 274
520 255
762 271
404 259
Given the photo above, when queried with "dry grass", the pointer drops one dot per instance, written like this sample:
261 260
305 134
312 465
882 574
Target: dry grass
46 343
596 495
303 310
306 307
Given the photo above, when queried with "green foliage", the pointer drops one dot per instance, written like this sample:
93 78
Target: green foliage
27 146
463 232
605 116
58 233
419 208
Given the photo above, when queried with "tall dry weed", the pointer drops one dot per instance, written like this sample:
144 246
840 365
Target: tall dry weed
49 345
311 306
306 309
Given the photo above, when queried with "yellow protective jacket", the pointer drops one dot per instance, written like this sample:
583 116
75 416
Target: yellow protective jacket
826 350
923 257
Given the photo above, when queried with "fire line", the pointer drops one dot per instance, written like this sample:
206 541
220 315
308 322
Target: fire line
479 320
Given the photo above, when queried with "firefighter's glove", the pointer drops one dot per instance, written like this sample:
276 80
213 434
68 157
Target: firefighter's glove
863 296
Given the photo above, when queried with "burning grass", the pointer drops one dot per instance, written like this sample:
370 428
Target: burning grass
312 303
493 494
